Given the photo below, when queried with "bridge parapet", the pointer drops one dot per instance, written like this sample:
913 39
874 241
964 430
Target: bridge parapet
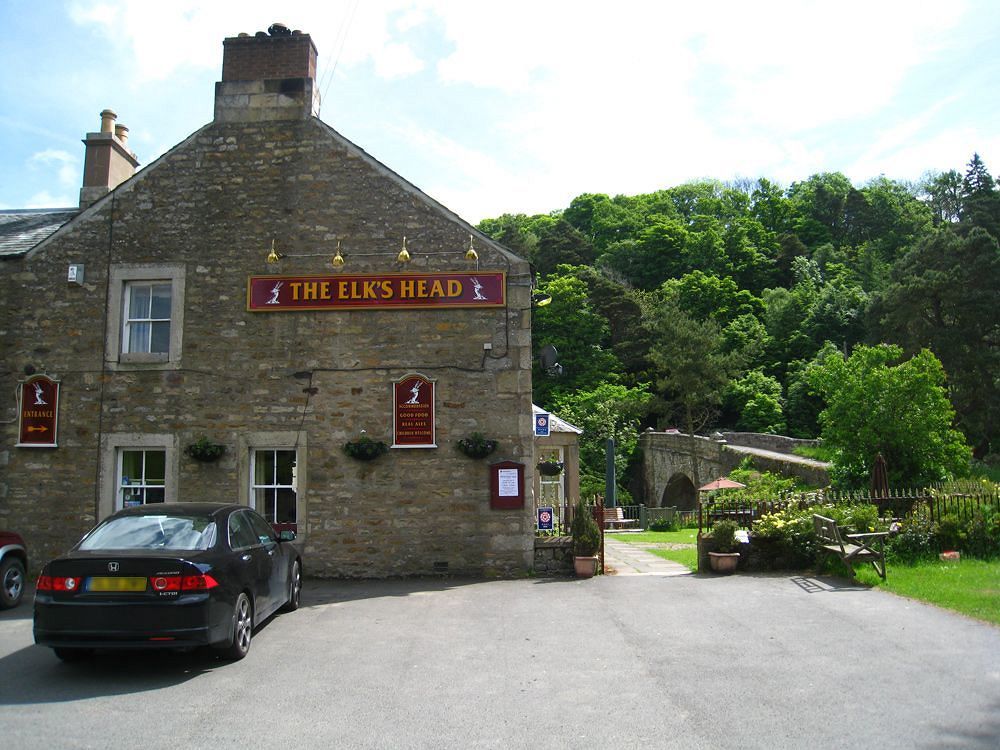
668 465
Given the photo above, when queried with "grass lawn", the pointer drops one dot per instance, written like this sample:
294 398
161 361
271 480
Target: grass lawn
684 536
969 586
687 556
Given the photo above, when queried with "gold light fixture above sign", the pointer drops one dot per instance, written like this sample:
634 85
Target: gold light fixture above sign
337 260
471 254
404 254
274 256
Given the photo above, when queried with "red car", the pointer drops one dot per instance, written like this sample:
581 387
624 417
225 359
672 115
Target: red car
13 564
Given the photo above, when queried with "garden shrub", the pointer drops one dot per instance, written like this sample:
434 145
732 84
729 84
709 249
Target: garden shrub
915 540
669 522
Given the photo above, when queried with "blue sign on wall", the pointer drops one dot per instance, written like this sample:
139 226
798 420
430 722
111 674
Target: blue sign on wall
545 518
542 424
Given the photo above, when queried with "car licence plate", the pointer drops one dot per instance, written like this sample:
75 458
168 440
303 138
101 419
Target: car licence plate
119 583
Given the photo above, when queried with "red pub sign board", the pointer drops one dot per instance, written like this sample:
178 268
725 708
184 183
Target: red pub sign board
382 291
38 412
413 413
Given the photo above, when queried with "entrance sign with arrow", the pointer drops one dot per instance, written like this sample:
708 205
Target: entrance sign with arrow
38 412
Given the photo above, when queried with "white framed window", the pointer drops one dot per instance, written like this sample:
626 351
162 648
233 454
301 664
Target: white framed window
142 477
274 485
146 316
137 468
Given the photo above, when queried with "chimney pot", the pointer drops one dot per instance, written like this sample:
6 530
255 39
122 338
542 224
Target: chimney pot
108 118
121 132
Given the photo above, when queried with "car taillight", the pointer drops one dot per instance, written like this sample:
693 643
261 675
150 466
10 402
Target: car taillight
166 583
58 583
201 582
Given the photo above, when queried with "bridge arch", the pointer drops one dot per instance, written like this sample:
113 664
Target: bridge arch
679 493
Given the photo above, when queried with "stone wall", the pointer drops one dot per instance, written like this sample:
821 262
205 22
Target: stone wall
212 206
554 555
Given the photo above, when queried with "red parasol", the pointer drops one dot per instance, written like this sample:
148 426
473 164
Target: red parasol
721 484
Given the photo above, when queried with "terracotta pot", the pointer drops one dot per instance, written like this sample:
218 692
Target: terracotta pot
723 562
586 567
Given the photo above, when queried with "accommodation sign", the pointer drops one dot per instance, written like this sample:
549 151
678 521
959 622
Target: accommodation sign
38 413
381 291
413 413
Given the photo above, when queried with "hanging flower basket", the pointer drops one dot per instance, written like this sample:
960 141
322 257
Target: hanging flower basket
550 468
476 445
205 450
365 449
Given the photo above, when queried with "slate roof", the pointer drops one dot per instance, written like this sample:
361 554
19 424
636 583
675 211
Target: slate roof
23 228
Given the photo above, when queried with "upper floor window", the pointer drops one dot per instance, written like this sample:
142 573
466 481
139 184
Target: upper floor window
146 317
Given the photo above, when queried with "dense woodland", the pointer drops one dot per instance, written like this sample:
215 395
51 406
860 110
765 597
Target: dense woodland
749 306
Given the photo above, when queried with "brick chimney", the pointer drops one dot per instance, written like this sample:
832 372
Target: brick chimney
107 162
268 76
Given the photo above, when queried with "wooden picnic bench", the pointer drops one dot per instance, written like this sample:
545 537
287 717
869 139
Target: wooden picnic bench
615 519
851 548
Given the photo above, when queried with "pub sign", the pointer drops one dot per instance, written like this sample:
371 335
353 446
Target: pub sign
38 413
413 412
391 291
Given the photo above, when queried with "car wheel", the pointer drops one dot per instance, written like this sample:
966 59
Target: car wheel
294 588
11 582
242 629
73 654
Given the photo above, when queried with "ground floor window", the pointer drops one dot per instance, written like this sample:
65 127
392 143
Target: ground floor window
273 486
141 476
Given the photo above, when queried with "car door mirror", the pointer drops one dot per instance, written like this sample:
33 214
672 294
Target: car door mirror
286 536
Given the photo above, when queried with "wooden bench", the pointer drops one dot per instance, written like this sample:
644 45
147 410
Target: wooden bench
615 519
851 548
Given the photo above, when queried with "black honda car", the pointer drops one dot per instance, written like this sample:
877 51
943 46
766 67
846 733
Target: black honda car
168 575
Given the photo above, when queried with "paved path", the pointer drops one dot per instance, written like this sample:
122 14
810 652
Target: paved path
624 559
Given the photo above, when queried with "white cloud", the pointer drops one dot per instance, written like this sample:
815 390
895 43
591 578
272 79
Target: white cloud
66 166
45 199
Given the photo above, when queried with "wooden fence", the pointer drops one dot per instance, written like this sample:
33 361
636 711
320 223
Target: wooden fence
898 504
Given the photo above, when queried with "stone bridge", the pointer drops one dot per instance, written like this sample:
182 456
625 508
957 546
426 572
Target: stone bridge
668 465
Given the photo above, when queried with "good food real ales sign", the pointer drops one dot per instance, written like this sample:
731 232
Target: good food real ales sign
385 291
413 413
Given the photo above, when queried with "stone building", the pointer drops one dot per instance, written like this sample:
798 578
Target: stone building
268 286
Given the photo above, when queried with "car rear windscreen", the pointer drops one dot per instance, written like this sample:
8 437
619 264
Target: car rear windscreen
160 532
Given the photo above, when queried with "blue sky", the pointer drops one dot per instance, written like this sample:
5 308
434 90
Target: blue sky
517 107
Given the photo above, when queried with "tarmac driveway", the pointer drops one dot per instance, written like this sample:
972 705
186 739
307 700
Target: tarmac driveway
611 662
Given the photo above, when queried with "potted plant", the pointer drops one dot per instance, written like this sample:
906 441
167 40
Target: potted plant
364 448
204 449
586 541
723 536
476 445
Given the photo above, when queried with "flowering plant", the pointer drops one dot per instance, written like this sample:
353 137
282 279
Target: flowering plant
476 445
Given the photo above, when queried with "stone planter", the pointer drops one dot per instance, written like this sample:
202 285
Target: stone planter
723 562
585 567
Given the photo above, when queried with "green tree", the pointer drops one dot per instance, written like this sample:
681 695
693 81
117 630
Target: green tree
943 195
980 198
607 411
943 295
876 403
755 400
581 336
694 369
561 243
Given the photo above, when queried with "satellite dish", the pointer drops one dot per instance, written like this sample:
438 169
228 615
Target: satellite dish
549 360
549 356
